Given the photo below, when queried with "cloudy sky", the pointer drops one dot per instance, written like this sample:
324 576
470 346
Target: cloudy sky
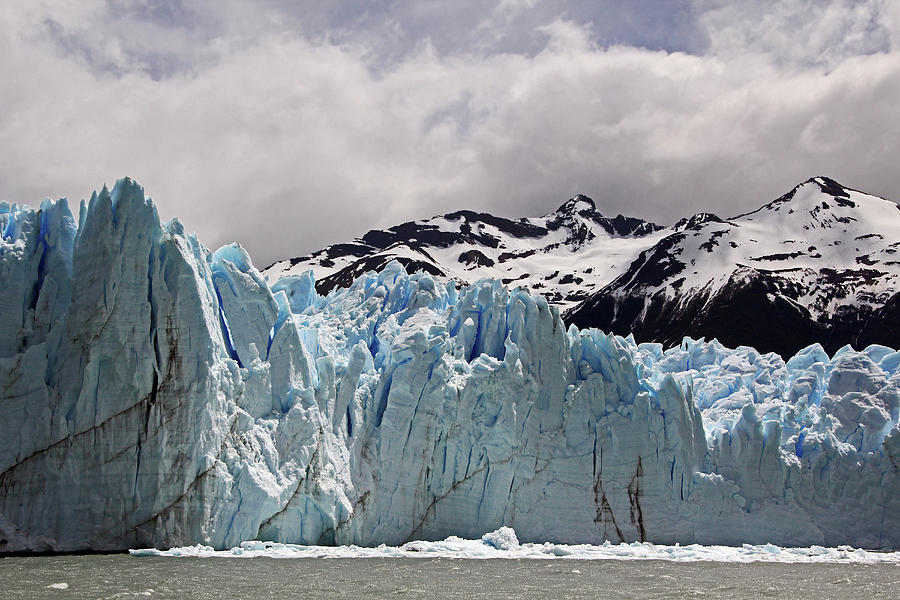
289 125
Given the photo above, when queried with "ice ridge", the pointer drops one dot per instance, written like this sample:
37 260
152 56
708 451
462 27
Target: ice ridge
153 393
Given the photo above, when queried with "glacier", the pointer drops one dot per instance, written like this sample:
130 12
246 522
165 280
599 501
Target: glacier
156 394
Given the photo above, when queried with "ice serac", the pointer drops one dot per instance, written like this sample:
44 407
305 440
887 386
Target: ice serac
115 432
153 393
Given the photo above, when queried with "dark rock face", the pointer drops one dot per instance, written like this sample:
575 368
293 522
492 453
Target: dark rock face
475 257
345 277
751 310
747 313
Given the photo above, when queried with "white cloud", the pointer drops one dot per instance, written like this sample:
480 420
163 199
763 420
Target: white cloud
799 32
287 142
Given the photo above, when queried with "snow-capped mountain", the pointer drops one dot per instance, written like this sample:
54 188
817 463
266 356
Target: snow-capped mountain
818 264
566 255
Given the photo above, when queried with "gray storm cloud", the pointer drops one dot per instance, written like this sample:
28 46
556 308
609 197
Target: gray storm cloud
288 126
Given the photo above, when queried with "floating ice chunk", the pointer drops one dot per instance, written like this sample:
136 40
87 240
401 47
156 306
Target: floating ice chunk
502 539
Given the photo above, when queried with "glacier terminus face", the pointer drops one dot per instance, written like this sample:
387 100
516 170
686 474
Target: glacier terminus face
153 393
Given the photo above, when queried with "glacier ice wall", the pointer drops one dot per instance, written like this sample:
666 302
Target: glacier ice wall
155 394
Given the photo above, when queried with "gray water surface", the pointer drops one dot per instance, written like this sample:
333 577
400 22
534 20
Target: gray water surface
123 576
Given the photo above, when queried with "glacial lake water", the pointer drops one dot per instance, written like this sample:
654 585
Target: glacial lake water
124 576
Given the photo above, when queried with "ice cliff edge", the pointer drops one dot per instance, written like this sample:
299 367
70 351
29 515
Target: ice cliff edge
155 394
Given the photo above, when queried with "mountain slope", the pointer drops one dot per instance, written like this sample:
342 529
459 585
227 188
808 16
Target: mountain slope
819 264
537 253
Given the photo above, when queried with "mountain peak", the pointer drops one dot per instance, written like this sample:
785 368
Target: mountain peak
695 221
577 203
825 184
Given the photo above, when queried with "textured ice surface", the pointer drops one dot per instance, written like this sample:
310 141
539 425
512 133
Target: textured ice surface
155 394
486 547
